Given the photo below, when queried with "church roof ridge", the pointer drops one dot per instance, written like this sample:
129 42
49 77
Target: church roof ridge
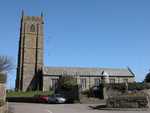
97 71
94 67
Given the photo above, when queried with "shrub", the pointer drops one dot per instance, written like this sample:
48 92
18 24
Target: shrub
95 91
131 86
138 86
87 93
119 86
147 78
67 82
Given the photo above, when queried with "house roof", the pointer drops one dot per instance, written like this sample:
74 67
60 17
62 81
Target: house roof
87 71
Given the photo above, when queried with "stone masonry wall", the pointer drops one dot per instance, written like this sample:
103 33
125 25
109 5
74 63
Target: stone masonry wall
128 101
3 105
2 92
90 81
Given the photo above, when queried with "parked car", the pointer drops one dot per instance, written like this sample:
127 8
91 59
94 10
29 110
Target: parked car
56 99
42 99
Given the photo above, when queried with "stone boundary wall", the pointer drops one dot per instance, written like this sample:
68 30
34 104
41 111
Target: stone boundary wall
128 101
3 108
2 92
147 91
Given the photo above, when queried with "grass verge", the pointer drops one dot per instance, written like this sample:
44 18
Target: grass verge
28 94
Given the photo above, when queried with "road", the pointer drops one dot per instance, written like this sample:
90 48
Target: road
59 108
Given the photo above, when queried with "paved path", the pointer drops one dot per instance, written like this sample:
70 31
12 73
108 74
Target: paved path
60 108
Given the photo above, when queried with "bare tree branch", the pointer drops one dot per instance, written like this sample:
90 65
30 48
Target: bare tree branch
5 64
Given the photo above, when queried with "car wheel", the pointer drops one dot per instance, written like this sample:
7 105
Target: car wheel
57 102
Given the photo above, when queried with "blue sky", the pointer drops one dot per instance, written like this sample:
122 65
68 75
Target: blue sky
84 33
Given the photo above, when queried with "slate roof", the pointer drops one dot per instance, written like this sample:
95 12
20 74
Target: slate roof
87 71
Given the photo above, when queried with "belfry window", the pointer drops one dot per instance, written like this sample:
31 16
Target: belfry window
32 28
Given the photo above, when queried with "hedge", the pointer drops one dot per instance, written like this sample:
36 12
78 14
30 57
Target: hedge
131 86
138 86
28 94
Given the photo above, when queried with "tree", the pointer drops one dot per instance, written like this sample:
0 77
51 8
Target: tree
67 86
67 82
5 66
147 77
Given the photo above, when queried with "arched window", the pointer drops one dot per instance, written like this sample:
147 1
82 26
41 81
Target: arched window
32 28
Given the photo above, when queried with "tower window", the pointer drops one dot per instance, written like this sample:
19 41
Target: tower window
32 28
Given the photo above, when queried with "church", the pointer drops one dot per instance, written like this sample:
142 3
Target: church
33 75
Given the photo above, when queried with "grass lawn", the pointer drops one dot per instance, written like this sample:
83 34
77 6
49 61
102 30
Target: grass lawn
28 94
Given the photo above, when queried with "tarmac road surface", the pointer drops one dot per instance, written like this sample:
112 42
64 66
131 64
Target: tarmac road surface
60 108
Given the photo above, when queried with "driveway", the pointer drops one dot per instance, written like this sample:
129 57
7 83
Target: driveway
60 108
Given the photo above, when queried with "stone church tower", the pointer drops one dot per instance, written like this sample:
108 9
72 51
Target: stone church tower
30 54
